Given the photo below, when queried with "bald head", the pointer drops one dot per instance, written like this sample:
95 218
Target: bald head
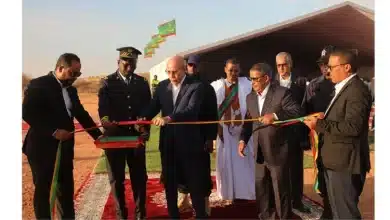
176 69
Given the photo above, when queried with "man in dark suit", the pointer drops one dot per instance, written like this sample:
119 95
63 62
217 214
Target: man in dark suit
181 146
208 112
345 152
318 95
49 106
296 85
271 102
122 97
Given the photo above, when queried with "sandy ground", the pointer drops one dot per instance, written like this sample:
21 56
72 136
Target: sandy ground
86 155
85 159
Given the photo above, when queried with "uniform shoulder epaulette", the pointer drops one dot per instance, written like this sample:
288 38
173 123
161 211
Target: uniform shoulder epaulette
141 77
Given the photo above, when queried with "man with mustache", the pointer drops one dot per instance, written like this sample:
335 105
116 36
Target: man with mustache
269 102
235 175
49 106
122 97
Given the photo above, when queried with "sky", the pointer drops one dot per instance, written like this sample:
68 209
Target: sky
94 29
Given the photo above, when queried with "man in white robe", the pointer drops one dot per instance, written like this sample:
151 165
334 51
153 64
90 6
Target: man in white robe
235 175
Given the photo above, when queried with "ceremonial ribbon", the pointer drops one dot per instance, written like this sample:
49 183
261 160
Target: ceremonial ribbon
131 141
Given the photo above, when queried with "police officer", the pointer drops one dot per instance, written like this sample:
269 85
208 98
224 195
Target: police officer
318 95
122 97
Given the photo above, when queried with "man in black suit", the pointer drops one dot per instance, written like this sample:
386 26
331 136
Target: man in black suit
345 152
208 112
50 103
318 95
296 85
179 99
271 102
122 97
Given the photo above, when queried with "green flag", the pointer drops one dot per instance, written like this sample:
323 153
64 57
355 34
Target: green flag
167 29
158 38
148 51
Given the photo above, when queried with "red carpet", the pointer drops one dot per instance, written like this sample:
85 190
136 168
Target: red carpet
156 208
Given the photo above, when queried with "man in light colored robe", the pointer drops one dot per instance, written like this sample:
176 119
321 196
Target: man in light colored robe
235 175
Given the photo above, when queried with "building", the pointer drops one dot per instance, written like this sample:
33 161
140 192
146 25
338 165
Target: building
346 24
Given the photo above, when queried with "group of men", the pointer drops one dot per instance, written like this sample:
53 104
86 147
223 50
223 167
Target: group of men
255 160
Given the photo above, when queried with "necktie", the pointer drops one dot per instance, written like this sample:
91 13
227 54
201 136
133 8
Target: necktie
128 79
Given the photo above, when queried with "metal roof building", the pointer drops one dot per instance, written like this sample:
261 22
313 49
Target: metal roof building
346 25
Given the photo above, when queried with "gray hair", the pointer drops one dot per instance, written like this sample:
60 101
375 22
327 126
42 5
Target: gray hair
264 68
287 56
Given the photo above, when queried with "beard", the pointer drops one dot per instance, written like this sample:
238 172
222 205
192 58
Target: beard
67 82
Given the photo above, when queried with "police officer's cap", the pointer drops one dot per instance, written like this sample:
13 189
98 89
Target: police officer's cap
325 53
128 53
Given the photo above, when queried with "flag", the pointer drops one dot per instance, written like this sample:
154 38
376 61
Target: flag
157 38
167 29
148 51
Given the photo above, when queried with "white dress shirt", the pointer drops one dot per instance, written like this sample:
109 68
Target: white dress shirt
65 95
338 88
261 98
124 77
176 90
285 82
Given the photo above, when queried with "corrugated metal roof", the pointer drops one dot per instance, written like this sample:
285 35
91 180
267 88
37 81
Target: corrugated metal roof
276 27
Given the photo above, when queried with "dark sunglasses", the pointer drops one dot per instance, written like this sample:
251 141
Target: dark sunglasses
75 74
191 65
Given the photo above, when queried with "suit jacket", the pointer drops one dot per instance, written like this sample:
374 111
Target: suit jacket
345 130
270 142
122 102
298 86
298 131
208 110
181 139
45 111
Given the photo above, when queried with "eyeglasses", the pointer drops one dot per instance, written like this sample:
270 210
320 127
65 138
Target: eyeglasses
256 79
332 67
191 65
281 65
75 74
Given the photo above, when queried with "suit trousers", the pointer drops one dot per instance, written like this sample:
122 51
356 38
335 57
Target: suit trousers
42 171
296 173
343 191
183 186
188 169
135 159
272 191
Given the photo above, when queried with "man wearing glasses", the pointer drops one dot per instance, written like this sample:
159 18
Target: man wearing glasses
344 150
122 97
317 97
49 106
296 85
269 102
235 175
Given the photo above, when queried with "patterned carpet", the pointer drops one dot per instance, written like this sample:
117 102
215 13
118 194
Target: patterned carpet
94 201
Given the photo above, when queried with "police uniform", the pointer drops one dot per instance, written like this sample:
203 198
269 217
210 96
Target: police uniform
122 98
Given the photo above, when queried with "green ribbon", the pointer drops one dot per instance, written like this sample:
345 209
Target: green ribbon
227 101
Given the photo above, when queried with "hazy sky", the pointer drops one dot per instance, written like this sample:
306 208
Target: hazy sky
93 29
